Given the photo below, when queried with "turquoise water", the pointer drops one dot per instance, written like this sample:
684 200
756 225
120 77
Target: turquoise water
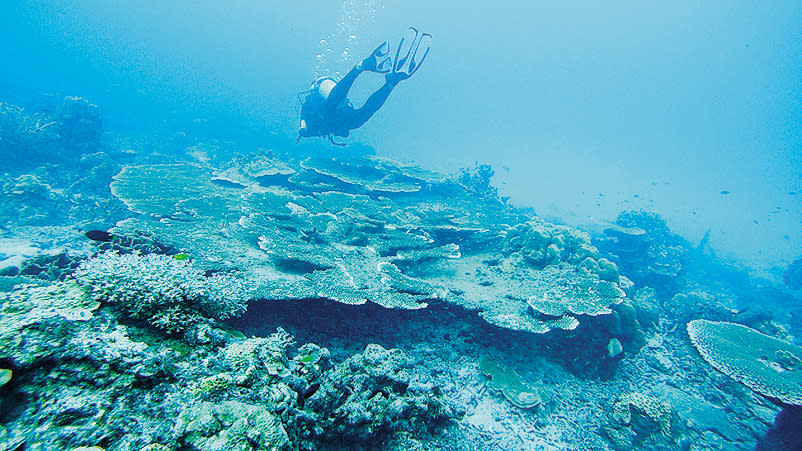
671 101
576 227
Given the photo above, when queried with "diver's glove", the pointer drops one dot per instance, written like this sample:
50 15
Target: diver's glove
378 61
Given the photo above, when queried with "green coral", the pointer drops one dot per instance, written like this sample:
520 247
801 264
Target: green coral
214 385
507 381
768 366
170 294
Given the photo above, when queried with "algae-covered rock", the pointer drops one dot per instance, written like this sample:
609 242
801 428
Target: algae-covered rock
643 412
372 395
230 425
34 321
768 366
507 381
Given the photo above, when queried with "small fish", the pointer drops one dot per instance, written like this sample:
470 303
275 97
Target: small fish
311 390
755 221
635 195
724 192
99 235
181 256
302 396
792 193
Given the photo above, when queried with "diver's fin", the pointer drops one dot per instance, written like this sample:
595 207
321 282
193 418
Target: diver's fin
379 60
407 57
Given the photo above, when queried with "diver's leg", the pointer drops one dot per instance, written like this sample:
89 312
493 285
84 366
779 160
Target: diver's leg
378 62
371 106
340 90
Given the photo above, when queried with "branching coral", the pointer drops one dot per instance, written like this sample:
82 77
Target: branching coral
170 294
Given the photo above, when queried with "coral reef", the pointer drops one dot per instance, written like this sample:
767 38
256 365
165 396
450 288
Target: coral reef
170 294
83 379
371 395
639 419
646 251
375 292
355 231
768 366
507 381
230 425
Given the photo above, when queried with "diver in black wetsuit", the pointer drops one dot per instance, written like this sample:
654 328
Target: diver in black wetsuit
326 111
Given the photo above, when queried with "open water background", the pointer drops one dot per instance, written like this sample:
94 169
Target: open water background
583 108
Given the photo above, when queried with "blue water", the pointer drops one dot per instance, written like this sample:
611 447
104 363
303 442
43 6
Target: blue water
584 108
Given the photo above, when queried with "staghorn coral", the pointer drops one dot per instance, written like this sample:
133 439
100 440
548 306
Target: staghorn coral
768 366
169 294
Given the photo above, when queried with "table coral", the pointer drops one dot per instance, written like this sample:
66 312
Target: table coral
767 365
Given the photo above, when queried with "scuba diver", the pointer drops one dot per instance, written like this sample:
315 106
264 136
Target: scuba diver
326 110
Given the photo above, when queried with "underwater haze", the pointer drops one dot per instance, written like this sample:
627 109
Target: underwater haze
576 226
583 108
